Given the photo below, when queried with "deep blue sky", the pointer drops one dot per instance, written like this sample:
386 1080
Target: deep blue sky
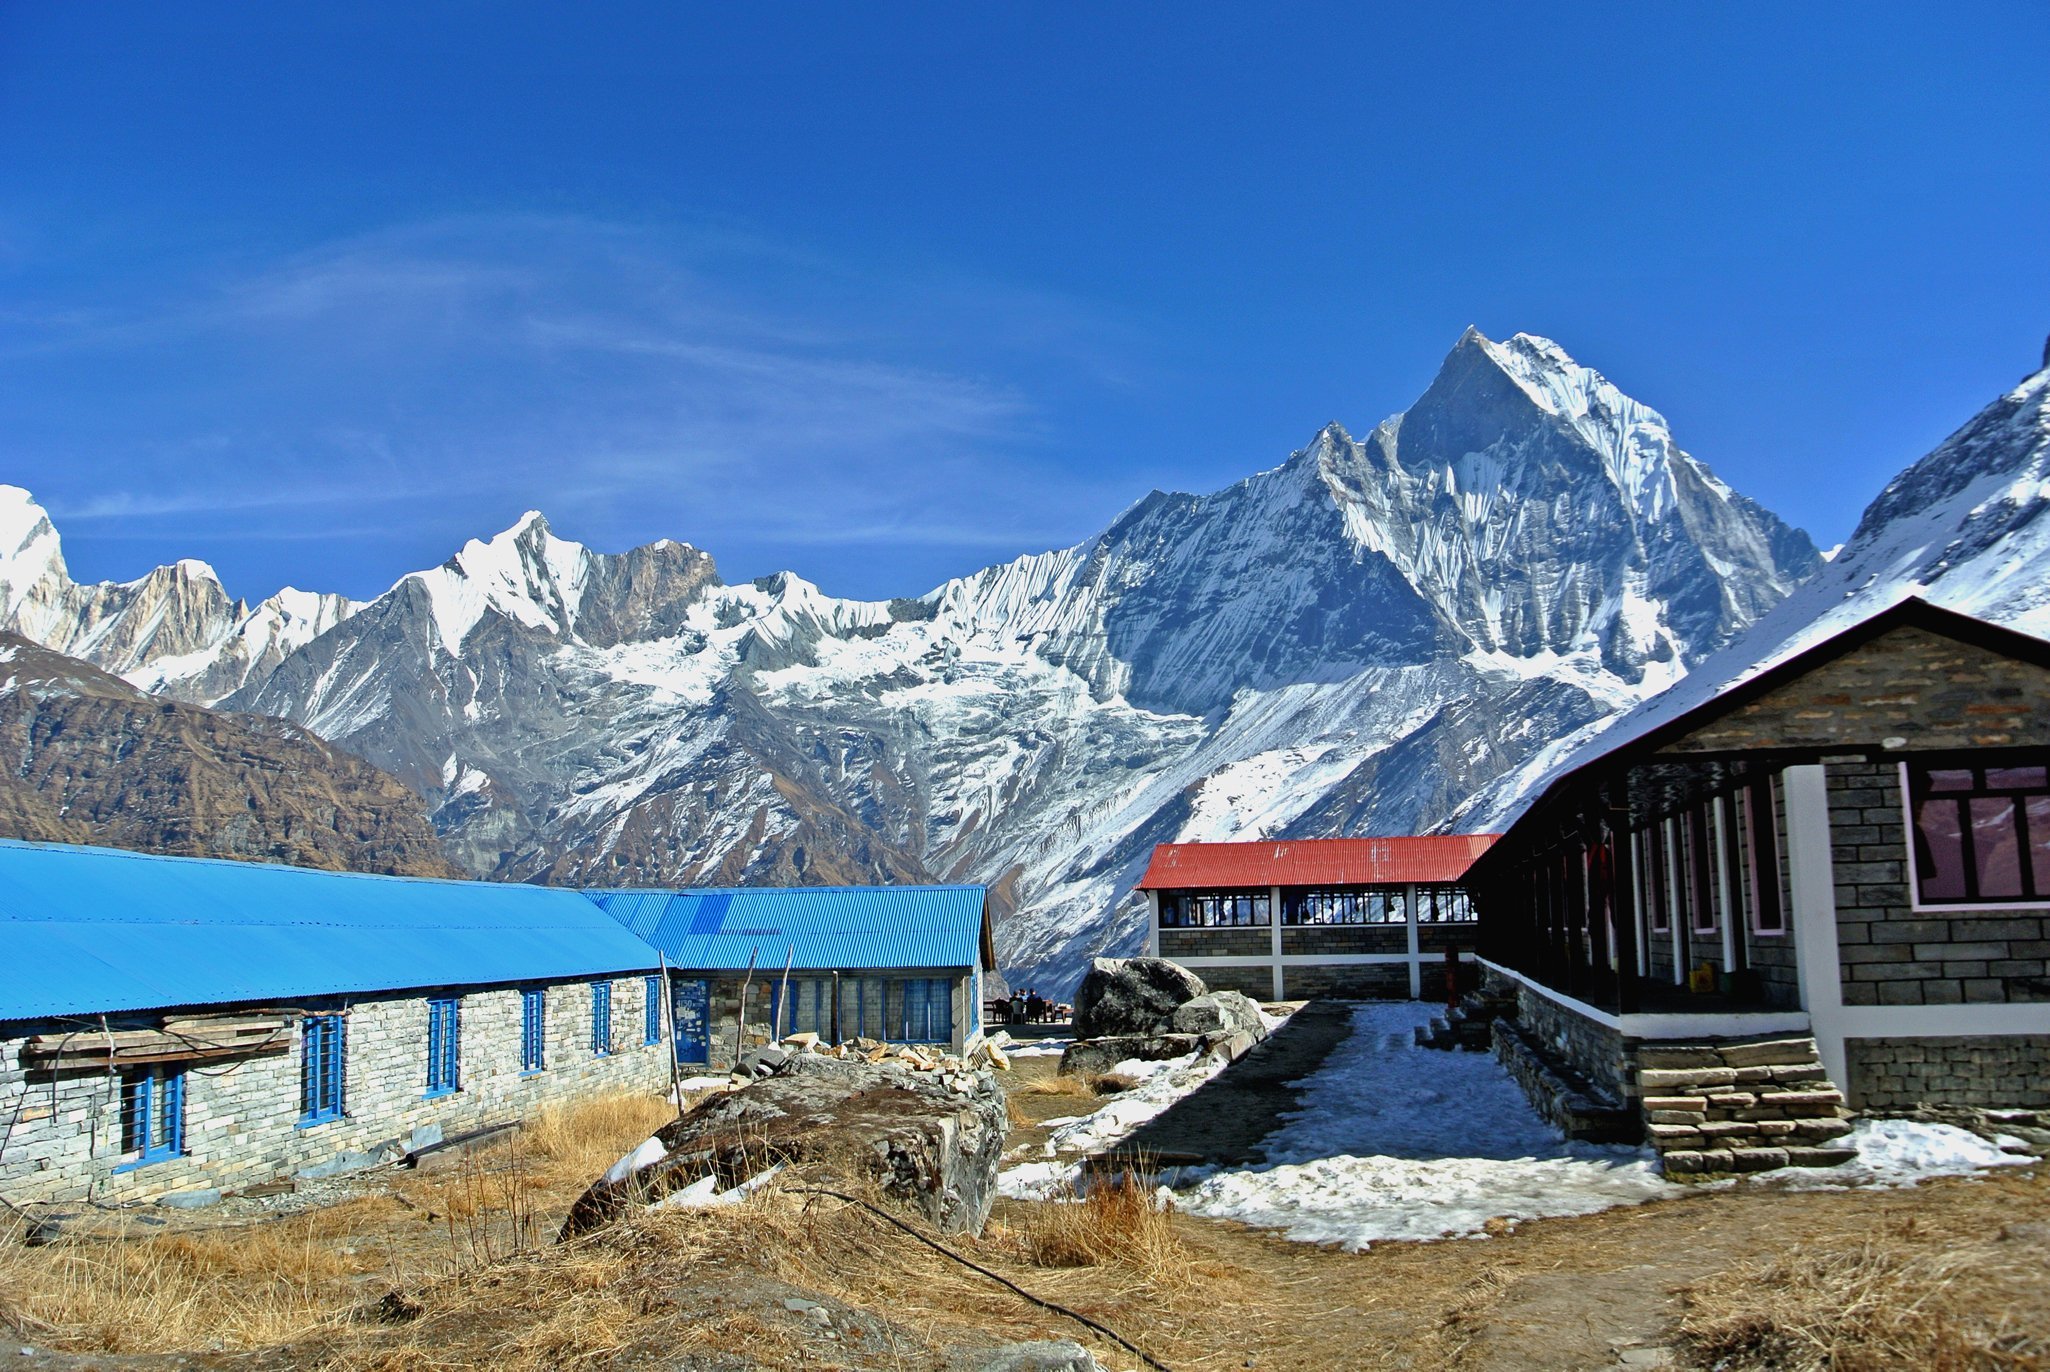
885 293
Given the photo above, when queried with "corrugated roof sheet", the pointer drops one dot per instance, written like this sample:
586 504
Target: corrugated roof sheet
1313 862
97 930
831 928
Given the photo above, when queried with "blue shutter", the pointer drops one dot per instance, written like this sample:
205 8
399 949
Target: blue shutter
601 1018
322 1070
533 1030
651 1013
444 1046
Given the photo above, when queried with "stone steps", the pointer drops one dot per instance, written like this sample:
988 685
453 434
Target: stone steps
1720 1106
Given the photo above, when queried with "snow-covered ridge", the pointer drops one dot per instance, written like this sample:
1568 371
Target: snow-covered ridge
1352 640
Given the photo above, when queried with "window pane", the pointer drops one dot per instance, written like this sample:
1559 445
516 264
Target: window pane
2016 778
1993 847
2039 842
1939 850
1952 780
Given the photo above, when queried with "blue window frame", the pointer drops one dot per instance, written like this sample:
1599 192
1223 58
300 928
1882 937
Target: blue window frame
810 1008
444 1045
152 1114
651 1011
601 1018
533 1030
928 1011
323 1072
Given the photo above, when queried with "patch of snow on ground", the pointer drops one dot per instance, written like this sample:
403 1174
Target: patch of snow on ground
1393 1141
1901 1153
1158 1085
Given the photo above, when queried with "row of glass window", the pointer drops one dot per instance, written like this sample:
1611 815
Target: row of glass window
924 1013
153 1097
1436 903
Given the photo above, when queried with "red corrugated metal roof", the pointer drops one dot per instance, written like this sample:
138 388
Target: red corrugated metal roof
1313 862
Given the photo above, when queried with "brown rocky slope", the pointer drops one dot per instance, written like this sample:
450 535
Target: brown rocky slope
90 759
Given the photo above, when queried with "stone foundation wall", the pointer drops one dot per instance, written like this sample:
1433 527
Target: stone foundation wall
1991 1072
1216 943
1592 1051
242 1117
1353 981
1436 938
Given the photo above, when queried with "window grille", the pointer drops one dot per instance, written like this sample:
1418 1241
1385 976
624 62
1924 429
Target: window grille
322 1067
1372 905
928 1015
864 1011
153 1113
533 1030
444 1046
1444 905
601 1018
651 1011
1981 833
1213 909
810 1008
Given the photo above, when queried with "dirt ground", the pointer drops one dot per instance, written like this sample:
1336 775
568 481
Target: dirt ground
418 1271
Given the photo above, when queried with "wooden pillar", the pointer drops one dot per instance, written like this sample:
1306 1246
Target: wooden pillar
1623 895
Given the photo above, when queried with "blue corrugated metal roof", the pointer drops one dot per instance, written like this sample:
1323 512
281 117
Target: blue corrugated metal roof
831 928
93 930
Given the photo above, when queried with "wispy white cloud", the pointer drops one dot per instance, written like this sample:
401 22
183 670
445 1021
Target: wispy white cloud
702 382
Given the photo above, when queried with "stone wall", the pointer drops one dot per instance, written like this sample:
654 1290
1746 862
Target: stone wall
1358 981
1989 1071
1892 954
1593 1051
1313 939
1256 982
1436 938
242 1117
1216 943
1931 690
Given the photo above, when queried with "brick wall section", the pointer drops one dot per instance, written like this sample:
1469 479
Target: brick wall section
243 1125
1363 981
1771 956
1216 943
1989 1071
1892 954
1313 939
1909 683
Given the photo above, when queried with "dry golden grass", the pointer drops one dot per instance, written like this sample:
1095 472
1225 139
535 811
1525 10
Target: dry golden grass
1904 1297
280 1280
1067 1085
1111 1224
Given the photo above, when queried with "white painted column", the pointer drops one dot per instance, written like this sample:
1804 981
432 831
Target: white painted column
1153 924
1274 937
1416 956
1677 911
1640 913
1812 873
1725 901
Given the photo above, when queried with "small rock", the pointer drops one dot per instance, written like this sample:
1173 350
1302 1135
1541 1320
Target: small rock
1062 1355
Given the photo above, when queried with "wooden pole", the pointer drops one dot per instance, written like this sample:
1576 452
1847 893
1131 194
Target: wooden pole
776 1030
669 1018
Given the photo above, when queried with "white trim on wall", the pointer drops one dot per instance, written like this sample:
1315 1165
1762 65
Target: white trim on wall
1811 870
1675 1025
1943 1021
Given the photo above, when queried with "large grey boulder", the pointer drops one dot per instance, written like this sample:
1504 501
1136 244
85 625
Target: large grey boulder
1095 1057
926 1143
1132 996
1218 1012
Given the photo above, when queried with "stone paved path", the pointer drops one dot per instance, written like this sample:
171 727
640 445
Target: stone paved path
1224 1121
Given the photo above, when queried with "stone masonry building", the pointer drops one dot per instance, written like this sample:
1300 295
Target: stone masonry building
1821 884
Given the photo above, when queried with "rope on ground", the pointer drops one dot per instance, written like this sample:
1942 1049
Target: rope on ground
1119 1339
